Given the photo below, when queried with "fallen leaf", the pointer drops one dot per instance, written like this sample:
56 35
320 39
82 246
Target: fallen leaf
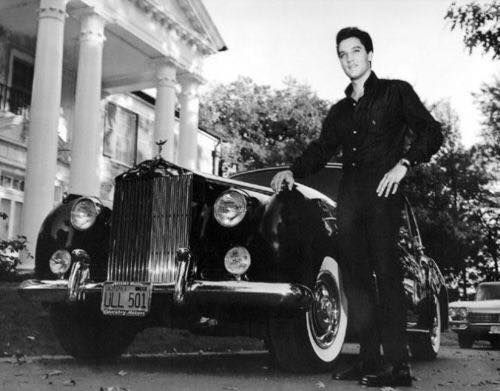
320 385
31 338
387 389
69 383
122 373
55 372
230 388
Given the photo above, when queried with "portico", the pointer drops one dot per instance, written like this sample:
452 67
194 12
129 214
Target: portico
110 46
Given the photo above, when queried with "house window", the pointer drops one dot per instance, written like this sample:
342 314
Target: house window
9 181
20 81
11 227
120 134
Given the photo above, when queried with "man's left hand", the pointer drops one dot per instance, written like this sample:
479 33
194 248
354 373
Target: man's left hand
390 182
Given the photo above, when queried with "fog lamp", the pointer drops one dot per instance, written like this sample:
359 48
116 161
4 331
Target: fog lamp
59 262
237 261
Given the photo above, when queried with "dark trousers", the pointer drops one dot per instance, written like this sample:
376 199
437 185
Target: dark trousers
368 231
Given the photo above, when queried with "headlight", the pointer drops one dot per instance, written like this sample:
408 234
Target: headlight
230 208
84 213
59 262
237 261
458 313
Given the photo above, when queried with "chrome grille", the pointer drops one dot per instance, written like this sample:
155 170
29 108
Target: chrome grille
476 317
151 220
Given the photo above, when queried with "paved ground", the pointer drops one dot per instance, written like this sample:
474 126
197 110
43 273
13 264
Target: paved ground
455 369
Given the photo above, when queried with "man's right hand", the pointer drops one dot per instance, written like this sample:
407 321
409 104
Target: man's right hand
282 180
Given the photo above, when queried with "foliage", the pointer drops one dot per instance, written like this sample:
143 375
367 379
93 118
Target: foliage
261 126
488 99
480 23
10 251
450 195
9 254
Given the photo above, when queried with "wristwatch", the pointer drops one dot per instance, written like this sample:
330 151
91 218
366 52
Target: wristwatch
405 162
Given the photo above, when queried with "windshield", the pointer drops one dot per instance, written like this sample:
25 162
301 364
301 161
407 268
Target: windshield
488 292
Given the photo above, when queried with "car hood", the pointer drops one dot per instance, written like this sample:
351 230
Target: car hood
478 306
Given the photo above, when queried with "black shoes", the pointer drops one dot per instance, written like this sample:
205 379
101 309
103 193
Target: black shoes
353 372
389 375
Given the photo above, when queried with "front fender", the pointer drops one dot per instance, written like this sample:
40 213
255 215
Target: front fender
57 233
293 227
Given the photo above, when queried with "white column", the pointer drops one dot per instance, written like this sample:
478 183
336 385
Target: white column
84 175
165 107
41 163
188 131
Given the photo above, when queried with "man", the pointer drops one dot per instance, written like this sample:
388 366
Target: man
371 125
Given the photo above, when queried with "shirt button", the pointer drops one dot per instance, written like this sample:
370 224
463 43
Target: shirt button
354 103
353 164
354 132
354 149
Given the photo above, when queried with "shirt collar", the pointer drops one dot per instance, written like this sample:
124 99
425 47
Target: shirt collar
369 85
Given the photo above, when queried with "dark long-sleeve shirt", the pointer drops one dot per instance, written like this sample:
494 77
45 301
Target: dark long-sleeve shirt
372 132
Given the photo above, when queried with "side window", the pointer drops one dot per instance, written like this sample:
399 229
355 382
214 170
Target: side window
20 81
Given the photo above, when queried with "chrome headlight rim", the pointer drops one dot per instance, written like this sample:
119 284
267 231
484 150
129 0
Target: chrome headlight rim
239 197
95 208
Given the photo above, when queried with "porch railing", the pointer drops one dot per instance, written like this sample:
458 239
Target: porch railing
14 100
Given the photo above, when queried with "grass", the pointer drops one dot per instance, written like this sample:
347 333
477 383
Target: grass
25 329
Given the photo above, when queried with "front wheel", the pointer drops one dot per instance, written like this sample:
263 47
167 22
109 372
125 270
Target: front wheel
426 346
313 340
86 334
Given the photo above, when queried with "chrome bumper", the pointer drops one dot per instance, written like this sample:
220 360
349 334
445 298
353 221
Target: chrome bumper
245 293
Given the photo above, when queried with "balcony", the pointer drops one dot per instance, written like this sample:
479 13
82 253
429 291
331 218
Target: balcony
14 100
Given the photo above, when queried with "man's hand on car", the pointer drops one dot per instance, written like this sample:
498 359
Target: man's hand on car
283 179
390 182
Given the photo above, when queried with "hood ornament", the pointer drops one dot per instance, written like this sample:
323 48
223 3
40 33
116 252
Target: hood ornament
160 144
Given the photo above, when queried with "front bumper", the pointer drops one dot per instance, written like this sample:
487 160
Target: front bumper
279 295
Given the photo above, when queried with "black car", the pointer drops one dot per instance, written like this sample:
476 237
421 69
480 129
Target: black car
215 256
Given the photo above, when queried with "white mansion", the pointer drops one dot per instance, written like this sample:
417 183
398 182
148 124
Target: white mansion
73 113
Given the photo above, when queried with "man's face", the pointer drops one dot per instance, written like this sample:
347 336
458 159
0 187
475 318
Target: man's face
353 57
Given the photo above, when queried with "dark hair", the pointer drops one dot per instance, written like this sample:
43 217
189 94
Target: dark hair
350 32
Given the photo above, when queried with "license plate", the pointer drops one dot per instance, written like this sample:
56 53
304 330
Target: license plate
126 299
495 330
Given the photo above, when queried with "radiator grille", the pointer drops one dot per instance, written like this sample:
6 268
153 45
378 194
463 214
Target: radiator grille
475 317
151 220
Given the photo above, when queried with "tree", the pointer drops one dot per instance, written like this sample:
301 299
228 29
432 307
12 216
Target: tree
448 194
480 23
262 126
488 99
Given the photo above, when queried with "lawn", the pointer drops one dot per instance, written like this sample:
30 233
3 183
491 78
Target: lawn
25 329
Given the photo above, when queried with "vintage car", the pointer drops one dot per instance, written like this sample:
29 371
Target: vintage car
215 256
479 319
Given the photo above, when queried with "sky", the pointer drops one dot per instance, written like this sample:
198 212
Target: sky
269 40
